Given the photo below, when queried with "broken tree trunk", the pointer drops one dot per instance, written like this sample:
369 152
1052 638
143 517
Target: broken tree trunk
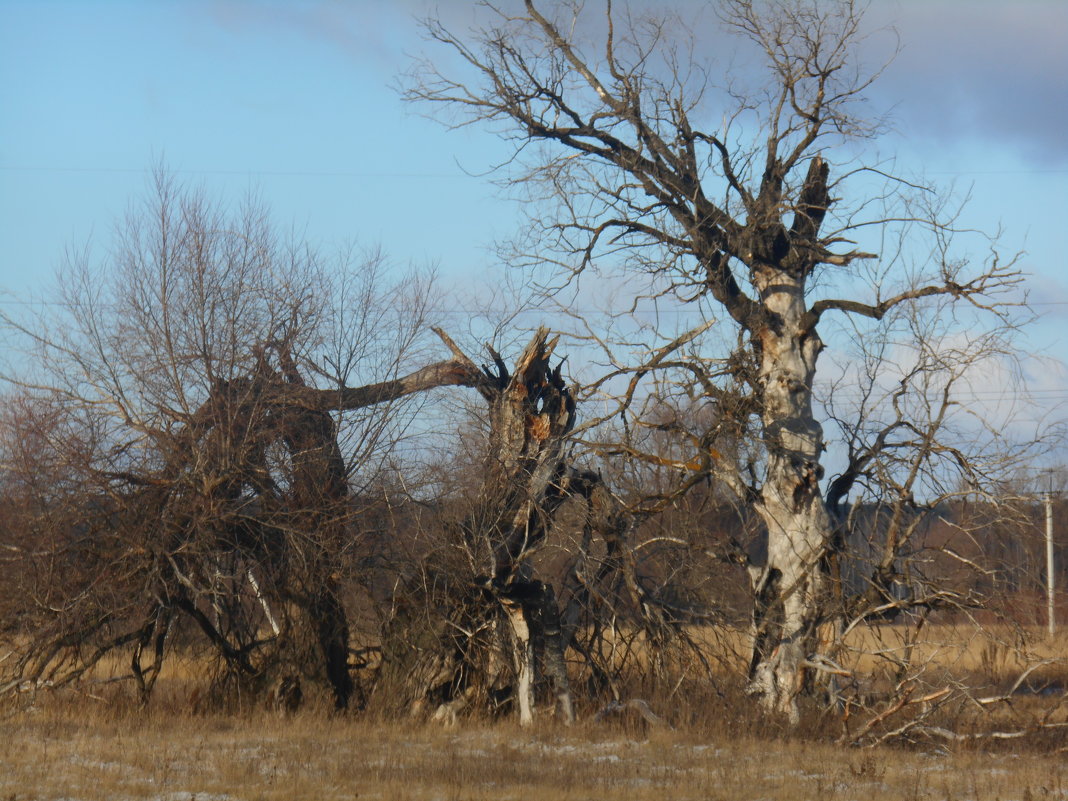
318 493
531 413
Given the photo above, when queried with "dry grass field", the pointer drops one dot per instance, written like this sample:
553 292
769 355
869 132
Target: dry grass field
56 755
94 743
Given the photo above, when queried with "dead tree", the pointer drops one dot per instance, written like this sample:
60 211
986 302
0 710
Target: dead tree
531 413
743 224
219 499
500 629
525 479
180 466
504 629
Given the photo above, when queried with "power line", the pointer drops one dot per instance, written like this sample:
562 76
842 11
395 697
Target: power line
273 173
362 174
569 310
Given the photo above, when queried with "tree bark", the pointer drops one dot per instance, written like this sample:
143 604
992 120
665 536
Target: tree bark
522 659
789 587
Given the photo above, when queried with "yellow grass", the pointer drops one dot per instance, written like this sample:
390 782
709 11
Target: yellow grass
91 743
990 654
82 755
996 651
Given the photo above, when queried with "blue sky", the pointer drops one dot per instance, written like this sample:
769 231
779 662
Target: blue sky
295 100
93 93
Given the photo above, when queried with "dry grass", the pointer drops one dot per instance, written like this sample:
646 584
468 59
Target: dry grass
991 655
74 753
91 743
996 651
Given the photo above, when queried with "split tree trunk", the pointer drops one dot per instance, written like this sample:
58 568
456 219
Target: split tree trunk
525 481
319 498
531 413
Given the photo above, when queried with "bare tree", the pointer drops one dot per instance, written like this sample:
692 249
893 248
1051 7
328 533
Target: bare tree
187 448
750 224
186 461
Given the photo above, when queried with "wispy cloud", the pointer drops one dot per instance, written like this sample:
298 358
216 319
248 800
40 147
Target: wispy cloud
983 70
368 32
363 32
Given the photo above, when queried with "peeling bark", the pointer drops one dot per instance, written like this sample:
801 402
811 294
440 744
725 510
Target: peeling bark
522 660
788 593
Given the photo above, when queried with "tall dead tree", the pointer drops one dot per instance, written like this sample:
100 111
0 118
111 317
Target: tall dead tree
610 118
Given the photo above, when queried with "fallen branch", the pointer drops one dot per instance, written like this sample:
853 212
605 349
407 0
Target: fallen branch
894 708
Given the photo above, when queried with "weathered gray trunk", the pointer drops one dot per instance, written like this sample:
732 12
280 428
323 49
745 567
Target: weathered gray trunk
789 587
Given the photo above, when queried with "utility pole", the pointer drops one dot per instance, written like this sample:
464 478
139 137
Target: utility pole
1049 560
